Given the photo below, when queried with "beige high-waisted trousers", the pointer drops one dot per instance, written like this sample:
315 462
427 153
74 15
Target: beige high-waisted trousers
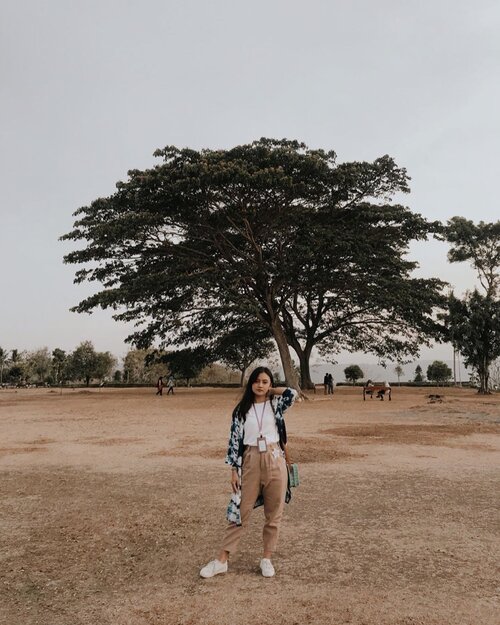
266 471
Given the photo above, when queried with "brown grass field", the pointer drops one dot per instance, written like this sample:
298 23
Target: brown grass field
111 501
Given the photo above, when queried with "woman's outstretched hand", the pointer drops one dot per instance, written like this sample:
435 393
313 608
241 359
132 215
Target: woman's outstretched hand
235 482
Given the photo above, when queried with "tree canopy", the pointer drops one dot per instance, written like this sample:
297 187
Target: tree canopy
418 374
142 366
439 372
479 244
38 364
398 370
272 232
353 373
186 363
85 363
59 363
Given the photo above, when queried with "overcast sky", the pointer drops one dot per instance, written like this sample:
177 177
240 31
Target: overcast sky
91 88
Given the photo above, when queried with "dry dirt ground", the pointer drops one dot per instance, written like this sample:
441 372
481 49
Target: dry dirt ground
111 501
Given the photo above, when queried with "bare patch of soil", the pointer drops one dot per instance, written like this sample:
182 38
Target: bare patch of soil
190 451
40 441
20 450
411 434
115 441
316 449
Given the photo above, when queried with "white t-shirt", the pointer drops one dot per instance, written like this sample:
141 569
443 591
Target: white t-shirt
269 429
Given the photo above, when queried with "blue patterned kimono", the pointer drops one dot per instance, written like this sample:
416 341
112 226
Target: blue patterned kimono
279 404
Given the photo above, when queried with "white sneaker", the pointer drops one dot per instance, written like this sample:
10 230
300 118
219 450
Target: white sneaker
213 568
267 568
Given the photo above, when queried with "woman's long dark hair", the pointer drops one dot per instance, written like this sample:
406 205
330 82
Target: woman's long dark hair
248 397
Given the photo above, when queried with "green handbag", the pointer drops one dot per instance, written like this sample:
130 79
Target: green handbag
293 474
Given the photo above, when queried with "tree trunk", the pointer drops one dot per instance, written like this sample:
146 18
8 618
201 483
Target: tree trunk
286 359
304 356
484 381
242 377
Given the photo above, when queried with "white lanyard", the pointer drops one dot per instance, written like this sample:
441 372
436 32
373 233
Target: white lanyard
261 422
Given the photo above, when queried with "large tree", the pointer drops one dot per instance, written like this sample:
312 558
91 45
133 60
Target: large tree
474 321
273 231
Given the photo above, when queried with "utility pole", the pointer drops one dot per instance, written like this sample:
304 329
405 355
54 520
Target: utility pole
454 367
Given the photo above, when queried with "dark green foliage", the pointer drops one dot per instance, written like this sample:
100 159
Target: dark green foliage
104 365
438 372
59 365
474 321
353 373
14 369
186 363
479 244
15 374
86 364
474 324
4 360
418 374
82 362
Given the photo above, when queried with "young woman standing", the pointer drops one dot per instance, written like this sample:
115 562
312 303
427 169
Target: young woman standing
259 475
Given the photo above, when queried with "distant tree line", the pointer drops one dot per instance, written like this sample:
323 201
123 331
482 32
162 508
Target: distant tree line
140 366
144 367
438 373
42 367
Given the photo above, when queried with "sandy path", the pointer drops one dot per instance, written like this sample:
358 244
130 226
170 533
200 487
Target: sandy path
111 501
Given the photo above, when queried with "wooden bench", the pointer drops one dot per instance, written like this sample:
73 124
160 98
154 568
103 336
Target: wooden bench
377 388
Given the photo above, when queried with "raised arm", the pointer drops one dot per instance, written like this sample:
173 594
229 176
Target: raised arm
287 396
